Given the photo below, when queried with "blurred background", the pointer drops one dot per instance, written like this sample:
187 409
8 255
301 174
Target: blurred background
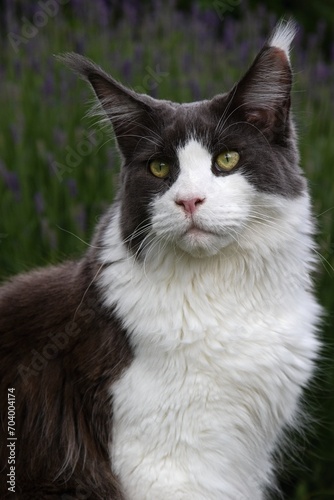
58 168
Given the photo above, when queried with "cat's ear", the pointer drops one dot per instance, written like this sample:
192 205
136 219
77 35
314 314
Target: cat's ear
127 110
263 95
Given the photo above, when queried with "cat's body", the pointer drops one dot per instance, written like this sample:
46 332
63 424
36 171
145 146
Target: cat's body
184 337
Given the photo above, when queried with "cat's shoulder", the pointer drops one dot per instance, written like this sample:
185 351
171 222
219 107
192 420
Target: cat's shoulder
36 292
38 279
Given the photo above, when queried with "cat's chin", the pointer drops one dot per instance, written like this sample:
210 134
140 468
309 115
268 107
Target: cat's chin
201 244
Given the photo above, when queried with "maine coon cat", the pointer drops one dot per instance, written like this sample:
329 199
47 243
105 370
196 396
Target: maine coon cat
167 362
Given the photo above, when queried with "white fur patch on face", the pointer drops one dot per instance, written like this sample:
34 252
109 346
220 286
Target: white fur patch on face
220 205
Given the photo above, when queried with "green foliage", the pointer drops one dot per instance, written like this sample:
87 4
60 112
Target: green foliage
58 170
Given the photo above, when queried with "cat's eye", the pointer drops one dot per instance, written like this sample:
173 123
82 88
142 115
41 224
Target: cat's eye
227 160
159 168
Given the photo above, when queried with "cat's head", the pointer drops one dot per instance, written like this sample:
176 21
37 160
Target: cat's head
206 175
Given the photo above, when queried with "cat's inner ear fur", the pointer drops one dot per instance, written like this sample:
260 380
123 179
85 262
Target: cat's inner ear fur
126 110
262 97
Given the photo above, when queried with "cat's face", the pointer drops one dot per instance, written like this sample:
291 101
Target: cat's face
202 176
205 209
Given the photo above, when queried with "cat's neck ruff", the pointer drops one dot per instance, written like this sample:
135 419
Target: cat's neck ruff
222 348
268 269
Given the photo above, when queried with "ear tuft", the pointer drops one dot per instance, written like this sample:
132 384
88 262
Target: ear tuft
78 63
128 112
103 84
263 95
283 36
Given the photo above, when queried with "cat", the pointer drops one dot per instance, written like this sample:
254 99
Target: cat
168 361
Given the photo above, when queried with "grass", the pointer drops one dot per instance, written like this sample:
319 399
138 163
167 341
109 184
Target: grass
58 170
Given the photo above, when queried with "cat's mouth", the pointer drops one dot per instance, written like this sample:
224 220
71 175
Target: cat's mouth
201 241
198 231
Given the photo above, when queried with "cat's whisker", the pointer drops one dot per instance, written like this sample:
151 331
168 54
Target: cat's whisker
148 249
243 122
271 222
223 141
151 246
143 244
78 238
138 231
226 110
279 230
140 138
324 260
87 289
221 128
325 212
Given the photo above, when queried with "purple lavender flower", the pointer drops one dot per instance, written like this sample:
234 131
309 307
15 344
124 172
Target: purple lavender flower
48 233
15 131
130 10
195 90
11 22
72 187
210 18
322 71
80 43
138 52
11 180
229 33
187 62
127 70
59 137
39 203
81 218
244 51
77 8
102 11
18 69
48 85
34 62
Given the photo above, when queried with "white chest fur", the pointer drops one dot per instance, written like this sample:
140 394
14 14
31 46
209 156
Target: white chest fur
222 351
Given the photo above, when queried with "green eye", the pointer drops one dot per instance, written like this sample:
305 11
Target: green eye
228 160
159 168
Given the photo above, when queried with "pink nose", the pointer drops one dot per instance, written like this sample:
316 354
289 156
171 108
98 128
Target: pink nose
190 205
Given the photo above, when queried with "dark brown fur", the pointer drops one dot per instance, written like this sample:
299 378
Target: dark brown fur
60 351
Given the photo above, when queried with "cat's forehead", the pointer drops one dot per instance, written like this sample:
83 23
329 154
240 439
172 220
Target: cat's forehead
194 119
185 112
